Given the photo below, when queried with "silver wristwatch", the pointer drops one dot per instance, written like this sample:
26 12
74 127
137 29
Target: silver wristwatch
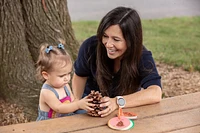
120 101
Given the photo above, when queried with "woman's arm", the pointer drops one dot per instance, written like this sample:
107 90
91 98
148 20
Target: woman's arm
151 95
78 86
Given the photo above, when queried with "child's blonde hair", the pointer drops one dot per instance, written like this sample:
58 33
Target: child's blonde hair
49 56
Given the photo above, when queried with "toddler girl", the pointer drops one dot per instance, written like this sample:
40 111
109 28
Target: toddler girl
54 67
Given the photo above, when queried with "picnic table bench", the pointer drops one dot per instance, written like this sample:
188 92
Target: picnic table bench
179 114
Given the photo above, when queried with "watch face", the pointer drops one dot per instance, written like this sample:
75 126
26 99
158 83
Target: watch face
121 102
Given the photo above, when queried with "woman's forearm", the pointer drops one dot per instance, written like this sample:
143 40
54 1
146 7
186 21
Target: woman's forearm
150 95
78 86
153 94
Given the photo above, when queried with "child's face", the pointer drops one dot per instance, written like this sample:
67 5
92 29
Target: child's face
60 76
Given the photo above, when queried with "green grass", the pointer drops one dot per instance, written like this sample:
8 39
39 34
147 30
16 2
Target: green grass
84 29
174 41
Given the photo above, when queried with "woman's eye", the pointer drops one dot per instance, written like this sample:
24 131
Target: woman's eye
116 39
105 36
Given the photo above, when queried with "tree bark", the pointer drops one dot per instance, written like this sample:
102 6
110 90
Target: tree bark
24 25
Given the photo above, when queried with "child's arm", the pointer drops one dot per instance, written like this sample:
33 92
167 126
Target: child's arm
52 101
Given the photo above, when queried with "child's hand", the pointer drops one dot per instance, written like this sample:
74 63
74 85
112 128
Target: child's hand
86 104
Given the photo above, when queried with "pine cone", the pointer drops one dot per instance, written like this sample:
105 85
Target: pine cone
96 96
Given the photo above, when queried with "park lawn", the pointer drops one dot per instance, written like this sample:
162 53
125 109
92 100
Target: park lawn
174 41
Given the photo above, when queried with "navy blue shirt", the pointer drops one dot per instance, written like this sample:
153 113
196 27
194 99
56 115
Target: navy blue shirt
85 66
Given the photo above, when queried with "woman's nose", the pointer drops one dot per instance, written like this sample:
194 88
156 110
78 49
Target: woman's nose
109 43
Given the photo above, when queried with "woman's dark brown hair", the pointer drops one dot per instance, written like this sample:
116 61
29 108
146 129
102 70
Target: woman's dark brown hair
131 27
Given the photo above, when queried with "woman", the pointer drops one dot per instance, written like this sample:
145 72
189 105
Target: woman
116 63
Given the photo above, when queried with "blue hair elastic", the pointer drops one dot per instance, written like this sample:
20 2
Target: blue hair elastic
61 46
48 49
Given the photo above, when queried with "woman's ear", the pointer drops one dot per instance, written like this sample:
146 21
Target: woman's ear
45 75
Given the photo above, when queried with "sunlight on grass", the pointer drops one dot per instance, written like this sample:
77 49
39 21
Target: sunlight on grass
174 41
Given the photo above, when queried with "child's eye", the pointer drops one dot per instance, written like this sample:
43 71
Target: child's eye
62 75
70 73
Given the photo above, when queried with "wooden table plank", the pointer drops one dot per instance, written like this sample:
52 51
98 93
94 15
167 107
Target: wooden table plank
195 129
65 124
83 121
168 105
175 123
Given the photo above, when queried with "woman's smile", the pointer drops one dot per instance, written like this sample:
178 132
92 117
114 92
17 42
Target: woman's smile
111 51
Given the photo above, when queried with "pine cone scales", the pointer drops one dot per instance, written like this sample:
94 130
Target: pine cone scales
96 96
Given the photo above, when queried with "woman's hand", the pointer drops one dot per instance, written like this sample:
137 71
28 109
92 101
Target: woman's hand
109 104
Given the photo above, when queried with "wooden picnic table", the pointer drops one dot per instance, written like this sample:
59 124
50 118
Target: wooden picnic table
179 114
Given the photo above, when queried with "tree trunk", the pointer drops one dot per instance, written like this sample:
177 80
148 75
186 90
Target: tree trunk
24 25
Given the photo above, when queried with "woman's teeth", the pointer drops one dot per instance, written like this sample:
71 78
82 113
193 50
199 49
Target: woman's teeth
111 51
